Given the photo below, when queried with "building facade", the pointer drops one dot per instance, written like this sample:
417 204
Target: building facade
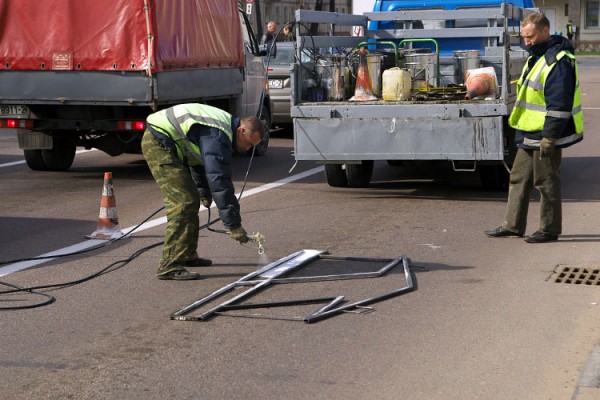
583 14
282 11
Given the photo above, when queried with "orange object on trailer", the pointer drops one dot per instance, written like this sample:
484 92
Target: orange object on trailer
363 90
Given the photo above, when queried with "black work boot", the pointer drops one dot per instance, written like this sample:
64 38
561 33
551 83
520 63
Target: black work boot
179 275
541 237
501 232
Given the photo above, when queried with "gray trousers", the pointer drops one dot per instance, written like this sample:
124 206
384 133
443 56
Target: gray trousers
529 171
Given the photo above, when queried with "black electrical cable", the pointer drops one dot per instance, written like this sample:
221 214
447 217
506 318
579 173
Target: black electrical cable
74 253
51 299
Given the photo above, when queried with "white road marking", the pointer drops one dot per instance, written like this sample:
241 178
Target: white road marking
10 164
19 266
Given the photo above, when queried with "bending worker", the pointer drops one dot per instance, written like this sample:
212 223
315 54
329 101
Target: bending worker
188 149
547 117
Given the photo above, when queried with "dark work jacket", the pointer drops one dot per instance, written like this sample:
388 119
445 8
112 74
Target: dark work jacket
213 179
267 38
559 91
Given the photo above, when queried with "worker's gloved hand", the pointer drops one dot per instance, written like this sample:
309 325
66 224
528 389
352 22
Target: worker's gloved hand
206 201
239 234
547 147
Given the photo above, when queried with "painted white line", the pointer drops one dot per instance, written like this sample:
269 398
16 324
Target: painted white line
8 269
590 376
10 164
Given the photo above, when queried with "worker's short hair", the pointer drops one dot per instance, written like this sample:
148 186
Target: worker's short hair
538 19
253 124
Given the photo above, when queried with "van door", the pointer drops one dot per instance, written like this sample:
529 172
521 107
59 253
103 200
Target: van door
256 74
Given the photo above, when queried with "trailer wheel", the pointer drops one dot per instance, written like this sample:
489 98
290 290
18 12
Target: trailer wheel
359 175
336 176
61 156
34 160
493 177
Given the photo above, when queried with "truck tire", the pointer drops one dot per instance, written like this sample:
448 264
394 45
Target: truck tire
336 176
61 156
261 148
359 175
34 160
493 177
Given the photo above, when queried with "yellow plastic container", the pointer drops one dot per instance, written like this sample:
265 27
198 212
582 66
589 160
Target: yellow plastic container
396 84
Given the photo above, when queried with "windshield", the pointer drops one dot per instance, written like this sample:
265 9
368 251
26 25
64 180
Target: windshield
286 55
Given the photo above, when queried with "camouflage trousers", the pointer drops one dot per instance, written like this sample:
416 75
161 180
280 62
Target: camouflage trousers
182 203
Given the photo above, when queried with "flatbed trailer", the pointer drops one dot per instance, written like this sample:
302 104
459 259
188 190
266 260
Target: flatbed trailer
436 123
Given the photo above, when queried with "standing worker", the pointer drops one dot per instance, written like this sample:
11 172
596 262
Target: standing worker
269 36
570 31
288 35
188 148
547 117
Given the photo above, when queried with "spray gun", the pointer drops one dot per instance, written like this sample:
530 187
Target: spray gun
259 239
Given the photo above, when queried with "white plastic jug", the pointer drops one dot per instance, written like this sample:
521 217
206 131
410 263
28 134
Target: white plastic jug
396 84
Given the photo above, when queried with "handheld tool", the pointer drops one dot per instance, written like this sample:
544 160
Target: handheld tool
259 239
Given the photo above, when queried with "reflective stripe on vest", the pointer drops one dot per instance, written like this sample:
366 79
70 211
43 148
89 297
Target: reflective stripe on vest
529 112
178 120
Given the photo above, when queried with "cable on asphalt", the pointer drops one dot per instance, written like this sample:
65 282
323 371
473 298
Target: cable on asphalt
51 299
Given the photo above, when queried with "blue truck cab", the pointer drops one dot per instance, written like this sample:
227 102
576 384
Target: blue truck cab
446 45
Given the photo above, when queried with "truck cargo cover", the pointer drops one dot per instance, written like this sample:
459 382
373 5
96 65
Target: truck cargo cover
120 35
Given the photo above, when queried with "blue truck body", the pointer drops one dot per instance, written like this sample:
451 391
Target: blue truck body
447 45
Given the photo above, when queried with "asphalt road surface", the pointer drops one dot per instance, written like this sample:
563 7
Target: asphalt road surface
487 319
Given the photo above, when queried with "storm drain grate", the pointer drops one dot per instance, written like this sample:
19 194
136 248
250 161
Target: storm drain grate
577 275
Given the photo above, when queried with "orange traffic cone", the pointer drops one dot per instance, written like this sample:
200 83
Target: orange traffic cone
480 82
108 222
363 90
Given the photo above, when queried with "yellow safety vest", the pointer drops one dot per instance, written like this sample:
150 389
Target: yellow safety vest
176 122
529 112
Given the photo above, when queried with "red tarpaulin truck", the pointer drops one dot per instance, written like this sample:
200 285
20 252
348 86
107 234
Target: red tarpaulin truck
88 72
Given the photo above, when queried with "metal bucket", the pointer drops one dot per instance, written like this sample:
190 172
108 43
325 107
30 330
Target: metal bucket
374 64
334 76
423 67
464 60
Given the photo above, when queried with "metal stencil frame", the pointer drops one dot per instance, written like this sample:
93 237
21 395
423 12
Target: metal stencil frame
275 272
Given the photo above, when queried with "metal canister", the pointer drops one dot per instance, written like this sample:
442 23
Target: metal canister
464 60
423 67
374 62
333 72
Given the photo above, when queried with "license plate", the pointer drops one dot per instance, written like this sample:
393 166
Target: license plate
275 83
14 110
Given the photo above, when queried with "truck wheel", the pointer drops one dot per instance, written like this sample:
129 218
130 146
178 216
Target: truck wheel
359 175
336 176
493 177
262 147
34 160
61 156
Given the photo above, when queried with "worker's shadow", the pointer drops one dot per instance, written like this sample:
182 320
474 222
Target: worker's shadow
574 238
